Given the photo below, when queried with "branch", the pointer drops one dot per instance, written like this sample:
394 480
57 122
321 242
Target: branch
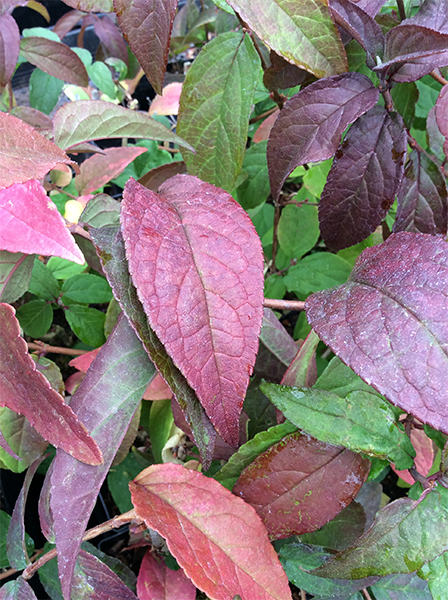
435 75
283 304
46 349
401 10
366 594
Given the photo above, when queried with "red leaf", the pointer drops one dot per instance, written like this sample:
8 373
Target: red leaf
30 223
157 582
300 484
67 22
26 391
39 120
388 323
158 390
424 459
264 131
54 58
154 178
99 169
24 153
111 39
9 48
147 28
216 538
83 362
195 259
168 103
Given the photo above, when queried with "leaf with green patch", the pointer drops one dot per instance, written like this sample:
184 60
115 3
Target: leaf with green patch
43 283
35 317
436 574
405 97
86 323
341 380
87 289
255 189
18 589
15 275
302 372
5 521
101 211
160 422
317 272
298 229
61 268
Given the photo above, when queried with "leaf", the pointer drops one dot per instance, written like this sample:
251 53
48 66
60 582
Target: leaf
422 198
316 272
111 39
424 457
192 511
402 587
436 574
154 157
184 232
24 390
215 106
284 484
15 275
27 445
282 74
157 582
25 154
154 178
96 581
298 230
87 120
106 401
86 323
371 7
160 422
276 350
44 91
67 22
405 97
86 288
364 179
63 269
147 28
263 132
362 422
110 247
441 113
118 479
43 283
168 103
54 58
302 372
35 318
255 189
18 589
5 520
415 529
341 380
397 284
101 76
101 6
303 33
101 211
9 48
310 125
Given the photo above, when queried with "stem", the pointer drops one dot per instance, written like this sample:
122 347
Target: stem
10 96
172 150
10 572
366 594
435 75
283 304
387 99
91 533
263 115
401 10
45 349
302 595
61 191
275 236
414 144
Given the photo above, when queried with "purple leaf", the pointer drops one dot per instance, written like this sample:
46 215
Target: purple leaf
111 39
67 22
363 179
441 110
9 48
26 391
94 580
310 125
371 7
302 372
154 178
422 198
388 323
30 223
147 28
435 137
15 541
106 400
432 14
19 589
54 58
39 120
277 348
207 311
282 74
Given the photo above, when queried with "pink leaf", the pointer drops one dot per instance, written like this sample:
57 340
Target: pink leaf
216 538
157 582
111 39
26 391
157 390
9 48
38 120
101 168
196 261
67 22
94 580
168 103
30 223
83 362
24 153
425 456
264 130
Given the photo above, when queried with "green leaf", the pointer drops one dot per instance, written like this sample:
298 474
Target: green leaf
15 274
274 286
405 535
249 451
341 380
429 91
43 283
151 159
22 438
405 97
315 177
255 189
41 32
84 55
86 323
263 219
160 422
5 520
101 76
44 91
86 289
118 479
35 318
351 253
215 105
317 272
298 229
63 268
259 409
362 422
436 574
404 587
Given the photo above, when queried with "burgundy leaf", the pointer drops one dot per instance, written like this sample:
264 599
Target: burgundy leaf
206 310
388 323
15 541
67 22
54 58
422 198
19 589
441 110
147 28
216 538
310 125
24 153
277 348
45 515
363 179
371 7
300 484
39 120
157 582
111 39
30 223
7 448
282 74
99 169
95 581
432 14
9 48
106 401
154 178
26 391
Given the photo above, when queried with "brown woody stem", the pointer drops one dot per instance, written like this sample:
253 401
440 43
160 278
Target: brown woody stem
435 75
401 10
46 349
283 304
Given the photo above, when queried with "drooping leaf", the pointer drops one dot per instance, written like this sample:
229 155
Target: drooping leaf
215 105
285 484
109 242
192 511
400 286
303 33
154 178
18 589
362 422
310 125
415 529
87 120
26 444
54 58
15 275
157 582
9 48
106 400
364 178
276 350
214 306
26 391
147 28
